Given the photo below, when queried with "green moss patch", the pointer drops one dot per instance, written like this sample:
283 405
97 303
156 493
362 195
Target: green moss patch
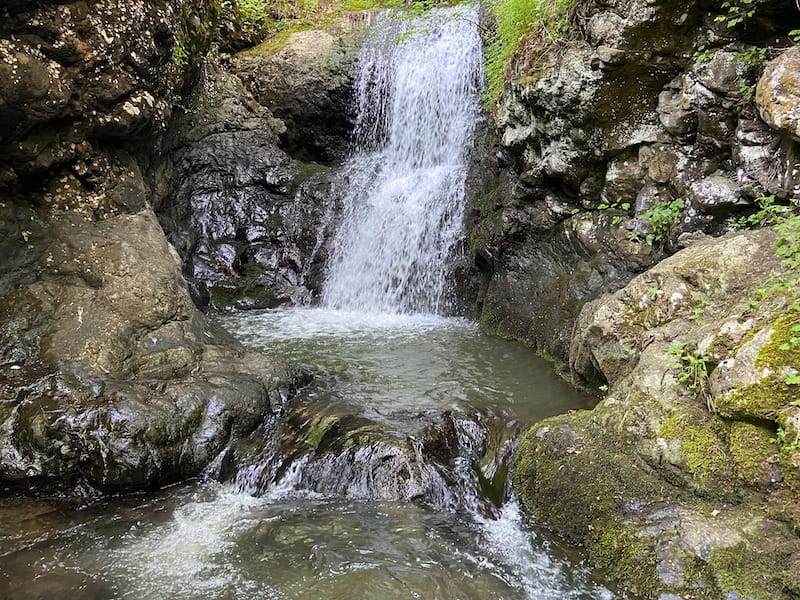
750 447
754 574
783 348
761 400
626 556
703 450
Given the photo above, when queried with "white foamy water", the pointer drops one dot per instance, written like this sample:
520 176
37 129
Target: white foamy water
418 104
211 542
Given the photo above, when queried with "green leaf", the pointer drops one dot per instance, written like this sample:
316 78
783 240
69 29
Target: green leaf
792 379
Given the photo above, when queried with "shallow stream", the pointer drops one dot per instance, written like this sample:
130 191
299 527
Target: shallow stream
207 540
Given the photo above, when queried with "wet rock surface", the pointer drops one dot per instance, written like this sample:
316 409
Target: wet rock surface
250 223
678 483
450 460
110 379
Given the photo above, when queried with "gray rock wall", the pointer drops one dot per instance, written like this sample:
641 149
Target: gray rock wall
648 103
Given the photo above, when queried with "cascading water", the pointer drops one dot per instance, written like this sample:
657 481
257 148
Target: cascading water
383 479
417 89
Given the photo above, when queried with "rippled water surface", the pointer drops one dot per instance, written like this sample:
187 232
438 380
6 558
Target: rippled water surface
203 541
385 364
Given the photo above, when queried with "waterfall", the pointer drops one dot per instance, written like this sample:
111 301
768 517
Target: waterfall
418 99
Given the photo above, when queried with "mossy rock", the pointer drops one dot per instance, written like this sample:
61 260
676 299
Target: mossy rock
703 451
753 454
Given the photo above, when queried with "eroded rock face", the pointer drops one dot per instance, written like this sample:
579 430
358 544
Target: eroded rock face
248 221
650 105
110 379
678 484
306 79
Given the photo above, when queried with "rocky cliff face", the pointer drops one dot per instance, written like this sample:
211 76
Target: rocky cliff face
111 379
649 103
657 129
245 197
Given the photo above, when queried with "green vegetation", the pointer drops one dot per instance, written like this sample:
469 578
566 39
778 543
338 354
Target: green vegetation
180 56
752 61
517 21
693 365
702 54
786 221
617 206
697 313
736 12
660 221
701 447
261 18
769 213
788 443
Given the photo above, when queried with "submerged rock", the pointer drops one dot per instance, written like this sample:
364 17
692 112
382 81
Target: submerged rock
447 460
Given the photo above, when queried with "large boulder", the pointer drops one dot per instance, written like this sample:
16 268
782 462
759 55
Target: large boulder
672 481
778 93
306 79
110 379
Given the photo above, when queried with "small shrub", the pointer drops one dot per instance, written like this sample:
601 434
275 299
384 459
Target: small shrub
253 16
660 221
752 61
693 365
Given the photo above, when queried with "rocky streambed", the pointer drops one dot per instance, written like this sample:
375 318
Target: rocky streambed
143 175
384 478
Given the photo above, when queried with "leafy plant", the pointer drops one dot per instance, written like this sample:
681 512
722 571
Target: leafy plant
660 221
769 213
693 365
736 12
782 439
180 56
702 54
752 60
794 35
254 15
792 379
698 311
615 206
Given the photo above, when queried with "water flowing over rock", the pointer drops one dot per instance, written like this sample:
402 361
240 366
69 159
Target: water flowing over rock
404 197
